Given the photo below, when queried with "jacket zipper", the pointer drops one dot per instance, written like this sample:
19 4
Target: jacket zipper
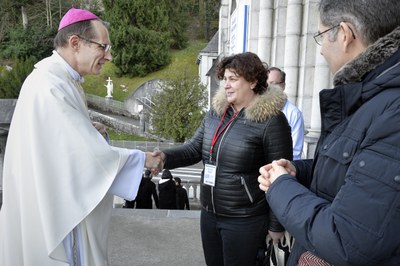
216 159
247 189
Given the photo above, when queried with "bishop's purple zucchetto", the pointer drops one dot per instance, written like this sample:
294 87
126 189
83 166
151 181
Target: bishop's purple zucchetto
75 15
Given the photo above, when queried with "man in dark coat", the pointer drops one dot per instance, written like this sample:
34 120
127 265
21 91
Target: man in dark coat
167 191
147 189
182 199
343 207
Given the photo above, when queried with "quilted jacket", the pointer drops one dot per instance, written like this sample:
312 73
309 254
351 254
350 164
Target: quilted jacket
259 134
351 213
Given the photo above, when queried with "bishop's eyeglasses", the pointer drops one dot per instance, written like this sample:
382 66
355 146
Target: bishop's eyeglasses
104 46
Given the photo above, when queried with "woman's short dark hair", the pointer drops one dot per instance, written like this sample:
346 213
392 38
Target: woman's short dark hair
249 66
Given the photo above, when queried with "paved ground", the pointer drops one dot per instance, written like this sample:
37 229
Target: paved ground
155 237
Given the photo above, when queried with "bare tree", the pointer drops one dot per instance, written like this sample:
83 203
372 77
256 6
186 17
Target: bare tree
24 17
49 15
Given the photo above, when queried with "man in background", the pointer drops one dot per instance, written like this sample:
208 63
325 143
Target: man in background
182 199
292 113
147 190
167 191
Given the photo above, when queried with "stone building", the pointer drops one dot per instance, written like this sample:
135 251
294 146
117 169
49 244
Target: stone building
281 33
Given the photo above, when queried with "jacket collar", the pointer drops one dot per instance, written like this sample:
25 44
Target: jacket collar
261 108
375 55
360 80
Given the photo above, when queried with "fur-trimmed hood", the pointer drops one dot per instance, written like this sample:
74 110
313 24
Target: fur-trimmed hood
261 108
373 56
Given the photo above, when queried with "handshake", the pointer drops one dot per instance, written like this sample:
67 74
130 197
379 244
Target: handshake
155 161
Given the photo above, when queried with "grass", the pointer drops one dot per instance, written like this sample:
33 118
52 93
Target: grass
181 61
122 136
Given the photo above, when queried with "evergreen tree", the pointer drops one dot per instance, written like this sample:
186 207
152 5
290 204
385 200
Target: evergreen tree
34 40
179 108
11 80
30 27
178 13
27 31
139 34
8 17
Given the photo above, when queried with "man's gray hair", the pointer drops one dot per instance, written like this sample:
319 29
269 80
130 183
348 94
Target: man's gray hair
82 28
371 19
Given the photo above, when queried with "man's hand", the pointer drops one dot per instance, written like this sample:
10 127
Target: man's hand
270 172
275 236
289 167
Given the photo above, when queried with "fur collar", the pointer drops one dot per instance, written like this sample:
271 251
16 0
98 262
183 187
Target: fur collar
261 108
373 56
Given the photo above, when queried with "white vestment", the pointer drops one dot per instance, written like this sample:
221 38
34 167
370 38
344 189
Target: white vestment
58 172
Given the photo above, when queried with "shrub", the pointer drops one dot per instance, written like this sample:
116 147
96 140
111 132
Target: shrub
11 80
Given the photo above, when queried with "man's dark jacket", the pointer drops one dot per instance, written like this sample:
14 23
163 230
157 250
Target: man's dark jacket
147 189
351 214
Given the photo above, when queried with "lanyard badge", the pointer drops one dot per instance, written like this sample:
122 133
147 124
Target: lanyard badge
210 168
209 174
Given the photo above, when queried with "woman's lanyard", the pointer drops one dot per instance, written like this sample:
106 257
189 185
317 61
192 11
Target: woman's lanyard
218 132
210 168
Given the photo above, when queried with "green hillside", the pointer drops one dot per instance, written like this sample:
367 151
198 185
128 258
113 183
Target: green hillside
182 60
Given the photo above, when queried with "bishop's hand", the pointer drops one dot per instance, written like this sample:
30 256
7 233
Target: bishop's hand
154 163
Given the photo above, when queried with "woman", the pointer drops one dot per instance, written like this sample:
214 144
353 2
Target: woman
243 130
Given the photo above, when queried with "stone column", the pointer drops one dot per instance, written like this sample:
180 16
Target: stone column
278 42
292 47
254 26
322 80
266 22
223 35
307 60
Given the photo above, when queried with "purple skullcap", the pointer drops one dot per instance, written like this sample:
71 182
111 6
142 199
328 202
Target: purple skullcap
75 15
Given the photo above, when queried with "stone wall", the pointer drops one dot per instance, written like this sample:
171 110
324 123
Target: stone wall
7 107
109 106
118 125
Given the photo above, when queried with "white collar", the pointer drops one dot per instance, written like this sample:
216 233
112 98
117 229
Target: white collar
74 74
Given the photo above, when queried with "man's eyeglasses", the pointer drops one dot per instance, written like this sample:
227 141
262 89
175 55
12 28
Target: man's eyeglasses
105 47
320 35
277 82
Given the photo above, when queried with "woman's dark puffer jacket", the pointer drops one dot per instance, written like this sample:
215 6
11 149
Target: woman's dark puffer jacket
258 135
